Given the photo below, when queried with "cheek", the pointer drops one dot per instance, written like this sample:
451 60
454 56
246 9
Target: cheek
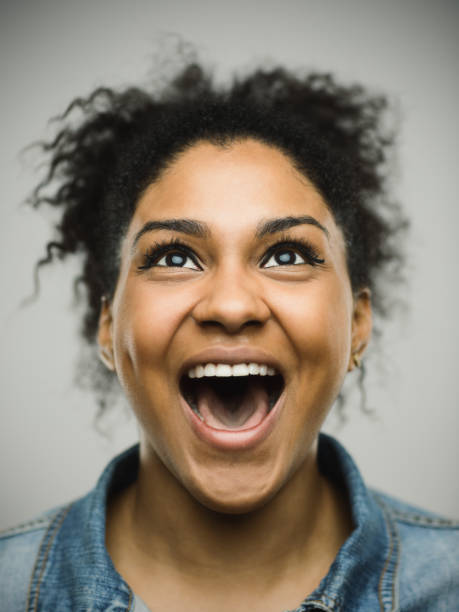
146 320
317 321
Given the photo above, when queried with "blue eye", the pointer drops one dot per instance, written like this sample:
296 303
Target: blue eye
176 259
291 253
284 258
172 254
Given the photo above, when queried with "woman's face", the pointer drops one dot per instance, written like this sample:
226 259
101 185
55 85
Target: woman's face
258 277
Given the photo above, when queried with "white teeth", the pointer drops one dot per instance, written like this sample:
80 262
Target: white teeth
240 369
210 369
226 370
254 368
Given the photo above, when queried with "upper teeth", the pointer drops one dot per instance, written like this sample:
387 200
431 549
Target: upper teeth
225 369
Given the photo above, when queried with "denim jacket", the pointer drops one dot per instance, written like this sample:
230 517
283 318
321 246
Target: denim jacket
396 558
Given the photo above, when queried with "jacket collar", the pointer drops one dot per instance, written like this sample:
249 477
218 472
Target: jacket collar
73 565
74 570
365 567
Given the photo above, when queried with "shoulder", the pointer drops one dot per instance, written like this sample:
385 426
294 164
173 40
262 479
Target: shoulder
428 555
19 548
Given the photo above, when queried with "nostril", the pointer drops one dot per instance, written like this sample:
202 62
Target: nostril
230 327
231 307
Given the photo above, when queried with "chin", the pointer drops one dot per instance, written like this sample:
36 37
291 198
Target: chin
231 505
238 493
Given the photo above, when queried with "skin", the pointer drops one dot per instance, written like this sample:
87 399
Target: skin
251 529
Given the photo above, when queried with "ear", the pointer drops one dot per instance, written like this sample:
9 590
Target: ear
105 335
361 327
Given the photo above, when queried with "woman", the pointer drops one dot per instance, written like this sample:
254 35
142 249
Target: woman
233 241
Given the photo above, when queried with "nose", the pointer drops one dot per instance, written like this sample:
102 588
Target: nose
232 301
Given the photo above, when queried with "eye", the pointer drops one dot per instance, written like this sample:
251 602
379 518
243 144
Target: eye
169 255
285 257
176 259
291 253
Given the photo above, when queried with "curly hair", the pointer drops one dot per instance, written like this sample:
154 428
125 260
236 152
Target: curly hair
102 159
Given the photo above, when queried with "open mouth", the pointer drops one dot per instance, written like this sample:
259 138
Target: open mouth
232 402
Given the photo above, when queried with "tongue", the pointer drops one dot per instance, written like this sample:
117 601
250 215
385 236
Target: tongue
238 411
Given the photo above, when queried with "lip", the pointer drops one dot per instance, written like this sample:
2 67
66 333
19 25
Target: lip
224 439
231 356
231 440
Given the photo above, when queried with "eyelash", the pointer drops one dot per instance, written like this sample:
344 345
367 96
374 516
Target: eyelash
286 242
300 245
156 251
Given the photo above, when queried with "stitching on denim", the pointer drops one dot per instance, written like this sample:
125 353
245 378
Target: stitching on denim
417 519
305 603
395 602
394 541
131 599
37 560
317 603
425 521
381 603
24 527
43 558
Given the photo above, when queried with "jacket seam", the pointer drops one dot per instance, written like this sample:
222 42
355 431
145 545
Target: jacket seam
44 559
131 600
425 521
415 518
319 602
25 527
394 544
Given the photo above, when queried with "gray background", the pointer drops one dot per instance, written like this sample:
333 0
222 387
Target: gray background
53 50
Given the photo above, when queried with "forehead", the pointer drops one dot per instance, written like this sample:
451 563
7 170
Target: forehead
231 188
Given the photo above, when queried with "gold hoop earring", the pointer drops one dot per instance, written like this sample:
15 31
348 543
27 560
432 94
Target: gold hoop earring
357 360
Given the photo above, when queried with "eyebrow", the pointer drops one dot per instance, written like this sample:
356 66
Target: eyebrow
198 229
184 226
271 226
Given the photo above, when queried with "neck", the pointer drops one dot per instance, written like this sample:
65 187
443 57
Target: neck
304 524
